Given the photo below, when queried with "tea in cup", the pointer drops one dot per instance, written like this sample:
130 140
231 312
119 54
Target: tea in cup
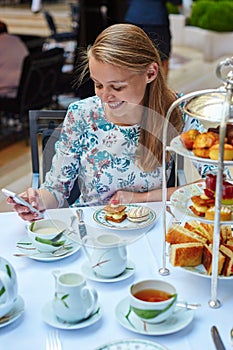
73 300
153 301
47 235
8 287
107 254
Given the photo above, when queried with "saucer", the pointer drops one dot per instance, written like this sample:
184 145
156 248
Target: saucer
180 319
50 318
89 273
132 344
25 244
14 313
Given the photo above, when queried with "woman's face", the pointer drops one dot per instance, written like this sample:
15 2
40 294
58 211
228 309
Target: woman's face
118 87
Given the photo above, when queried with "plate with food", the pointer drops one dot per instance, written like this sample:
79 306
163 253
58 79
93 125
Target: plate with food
190 247
125 217
204 146
198 199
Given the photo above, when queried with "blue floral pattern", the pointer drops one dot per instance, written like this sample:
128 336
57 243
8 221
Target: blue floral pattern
101 154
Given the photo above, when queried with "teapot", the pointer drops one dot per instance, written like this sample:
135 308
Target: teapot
8 287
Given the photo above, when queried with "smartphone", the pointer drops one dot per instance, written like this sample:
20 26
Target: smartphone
21 201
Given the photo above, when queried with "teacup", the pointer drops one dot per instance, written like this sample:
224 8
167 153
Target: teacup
73 299
153 301
107 254
47 234
8 287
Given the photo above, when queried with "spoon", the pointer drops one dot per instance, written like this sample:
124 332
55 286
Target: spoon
188 306
175 220
58 252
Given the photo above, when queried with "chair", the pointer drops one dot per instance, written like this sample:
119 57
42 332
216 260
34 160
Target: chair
59 37
177 176
47 125
37 84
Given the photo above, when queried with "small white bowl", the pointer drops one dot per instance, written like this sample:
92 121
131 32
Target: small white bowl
149 310
47 234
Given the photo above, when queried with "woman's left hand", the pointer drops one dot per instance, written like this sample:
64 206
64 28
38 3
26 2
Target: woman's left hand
127 197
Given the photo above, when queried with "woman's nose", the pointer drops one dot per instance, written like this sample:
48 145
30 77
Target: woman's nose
105 95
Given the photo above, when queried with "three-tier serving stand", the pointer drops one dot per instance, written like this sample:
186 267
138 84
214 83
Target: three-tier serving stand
212 106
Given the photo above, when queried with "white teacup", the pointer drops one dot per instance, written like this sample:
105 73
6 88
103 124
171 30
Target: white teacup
47 234
73 299
8 287
107 254
153 301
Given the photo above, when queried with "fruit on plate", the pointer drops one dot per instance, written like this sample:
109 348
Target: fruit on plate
227 193
227 188
188 138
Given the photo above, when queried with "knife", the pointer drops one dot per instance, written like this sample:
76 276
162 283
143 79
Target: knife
217 339
81 223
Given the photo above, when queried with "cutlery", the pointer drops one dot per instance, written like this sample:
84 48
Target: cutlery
53 341
81 224
188 306
175 220
217 339
58 252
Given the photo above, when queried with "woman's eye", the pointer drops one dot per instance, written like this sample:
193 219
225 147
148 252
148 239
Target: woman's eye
117 88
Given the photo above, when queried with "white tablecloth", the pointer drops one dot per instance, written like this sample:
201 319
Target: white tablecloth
36 287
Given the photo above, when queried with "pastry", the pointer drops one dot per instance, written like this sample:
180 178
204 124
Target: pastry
225 214
115 213
228 152
138 214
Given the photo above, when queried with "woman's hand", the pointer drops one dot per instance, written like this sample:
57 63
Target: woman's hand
127 197
31 196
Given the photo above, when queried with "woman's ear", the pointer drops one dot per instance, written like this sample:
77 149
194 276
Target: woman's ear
152 72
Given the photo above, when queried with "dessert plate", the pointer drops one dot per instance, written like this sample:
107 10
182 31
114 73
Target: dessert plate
99 218
180 319
14 314
50 318
88 272
181 200
132 344
177 146
25 244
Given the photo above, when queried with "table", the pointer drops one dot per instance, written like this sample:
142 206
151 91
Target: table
36 287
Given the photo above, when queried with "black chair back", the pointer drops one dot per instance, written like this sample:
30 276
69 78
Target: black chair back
46 123
39 77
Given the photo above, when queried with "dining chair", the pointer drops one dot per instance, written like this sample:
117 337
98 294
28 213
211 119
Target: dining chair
58 36
44 129
37 86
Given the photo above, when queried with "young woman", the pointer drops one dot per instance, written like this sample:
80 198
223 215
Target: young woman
113 141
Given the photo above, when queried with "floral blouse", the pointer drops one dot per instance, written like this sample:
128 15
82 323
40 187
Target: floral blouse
102 156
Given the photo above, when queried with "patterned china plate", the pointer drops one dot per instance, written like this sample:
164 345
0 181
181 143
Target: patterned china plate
180 319
99 217
25 243
177 146
132 344
50 318
180 199
88 272
14 313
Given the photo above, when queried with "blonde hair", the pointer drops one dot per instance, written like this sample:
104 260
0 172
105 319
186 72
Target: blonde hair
128 46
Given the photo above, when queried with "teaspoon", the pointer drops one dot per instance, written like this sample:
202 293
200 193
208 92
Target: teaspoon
58 252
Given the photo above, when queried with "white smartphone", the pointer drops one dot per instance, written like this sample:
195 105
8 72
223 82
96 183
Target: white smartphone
21 201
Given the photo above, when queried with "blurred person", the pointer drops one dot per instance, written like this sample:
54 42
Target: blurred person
12 54
152 16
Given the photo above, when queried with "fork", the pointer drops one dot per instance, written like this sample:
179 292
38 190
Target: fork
53 341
